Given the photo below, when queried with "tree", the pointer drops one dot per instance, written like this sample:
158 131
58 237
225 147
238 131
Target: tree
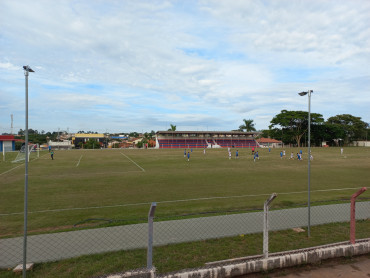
266 133
173 128
92 144
329 132
140 144
147 136
248 126
294 124
353 127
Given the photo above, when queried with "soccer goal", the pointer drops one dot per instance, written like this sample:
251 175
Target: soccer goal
22 153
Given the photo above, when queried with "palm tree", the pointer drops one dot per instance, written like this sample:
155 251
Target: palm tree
173 128
247 126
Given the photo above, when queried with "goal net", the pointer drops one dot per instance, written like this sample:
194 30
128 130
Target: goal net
22 153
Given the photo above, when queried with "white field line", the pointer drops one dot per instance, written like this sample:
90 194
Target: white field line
142 169
19 166
78 163
176 201
12 169
89 174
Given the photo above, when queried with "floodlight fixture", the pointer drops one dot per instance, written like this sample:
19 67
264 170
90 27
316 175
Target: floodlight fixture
28 69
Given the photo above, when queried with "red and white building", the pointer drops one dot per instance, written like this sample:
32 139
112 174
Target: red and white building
269 143
7 143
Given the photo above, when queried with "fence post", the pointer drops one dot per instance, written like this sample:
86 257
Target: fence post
149 257
266 225
353 214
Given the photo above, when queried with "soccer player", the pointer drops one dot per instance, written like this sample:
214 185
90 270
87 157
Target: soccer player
52 155
237 154
188 156
281 155
185 153
291 156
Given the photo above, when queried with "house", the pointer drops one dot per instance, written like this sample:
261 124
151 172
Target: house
269 143
64 145
7 143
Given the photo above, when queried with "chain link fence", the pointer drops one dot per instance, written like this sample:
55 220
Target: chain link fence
98 235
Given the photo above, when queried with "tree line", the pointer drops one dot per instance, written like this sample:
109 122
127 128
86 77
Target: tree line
291 127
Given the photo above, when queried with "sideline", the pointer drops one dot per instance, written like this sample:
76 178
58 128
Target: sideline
174 201
142 169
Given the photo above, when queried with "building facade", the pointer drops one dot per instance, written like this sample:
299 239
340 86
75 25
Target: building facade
7 143
206 139
84 137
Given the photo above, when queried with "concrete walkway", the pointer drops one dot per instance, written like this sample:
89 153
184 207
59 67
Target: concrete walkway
57 246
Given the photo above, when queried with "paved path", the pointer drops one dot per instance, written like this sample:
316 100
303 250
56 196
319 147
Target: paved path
56 246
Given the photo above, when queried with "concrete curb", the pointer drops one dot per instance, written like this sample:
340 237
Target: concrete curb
252 264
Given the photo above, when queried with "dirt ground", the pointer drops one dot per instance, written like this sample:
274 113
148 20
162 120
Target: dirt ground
357 267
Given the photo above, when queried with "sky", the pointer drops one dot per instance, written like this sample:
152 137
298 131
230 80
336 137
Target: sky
122 66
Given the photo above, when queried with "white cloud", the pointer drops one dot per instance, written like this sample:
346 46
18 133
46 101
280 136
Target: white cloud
8 66
210 59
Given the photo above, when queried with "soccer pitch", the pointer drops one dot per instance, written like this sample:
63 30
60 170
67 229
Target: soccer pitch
120 184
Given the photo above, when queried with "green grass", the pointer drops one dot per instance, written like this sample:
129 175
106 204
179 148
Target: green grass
113 185
194 254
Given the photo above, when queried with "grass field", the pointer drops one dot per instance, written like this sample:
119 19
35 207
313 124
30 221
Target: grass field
120 184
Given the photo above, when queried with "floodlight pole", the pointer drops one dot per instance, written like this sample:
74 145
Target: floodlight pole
27 69
309 92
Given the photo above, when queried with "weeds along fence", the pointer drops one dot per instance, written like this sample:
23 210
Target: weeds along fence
162 228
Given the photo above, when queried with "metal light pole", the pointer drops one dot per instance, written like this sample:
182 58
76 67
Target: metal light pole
27 69
309 92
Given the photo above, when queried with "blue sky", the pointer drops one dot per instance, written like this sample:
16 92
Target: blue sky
121 66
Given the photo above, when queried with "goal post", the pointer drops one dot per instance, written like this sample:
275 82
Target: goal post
22 153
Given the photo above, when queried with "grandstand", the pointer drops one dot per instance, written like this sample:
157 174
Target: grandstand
205 139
